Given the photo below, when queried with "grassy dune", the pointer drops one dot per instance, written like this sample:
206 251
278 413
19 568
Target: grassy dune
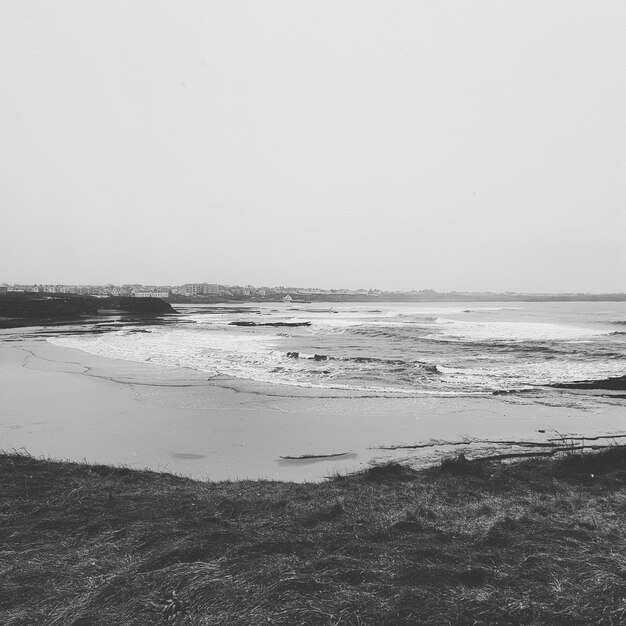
535 542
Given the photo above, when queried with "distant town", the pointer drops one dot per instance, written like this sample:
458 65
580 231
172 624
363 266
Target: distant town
212 292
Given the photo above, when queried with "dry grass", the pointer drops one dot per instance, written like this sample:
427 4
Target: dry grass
536 542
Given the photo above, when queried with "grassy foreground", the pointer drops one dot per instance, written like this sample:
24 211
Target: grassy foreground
536 542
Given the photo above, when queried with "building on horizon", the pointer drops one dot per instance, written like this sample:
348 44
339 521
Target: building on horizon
149 294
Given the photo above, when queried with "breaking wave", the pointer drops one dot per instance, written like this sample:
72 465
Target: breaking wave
391 350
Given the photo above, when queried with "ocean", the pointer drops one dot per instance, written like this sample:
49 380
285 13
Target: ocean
540 351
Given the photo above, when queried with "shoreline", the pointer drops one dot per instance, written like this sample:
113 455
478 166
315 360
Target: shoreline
67 404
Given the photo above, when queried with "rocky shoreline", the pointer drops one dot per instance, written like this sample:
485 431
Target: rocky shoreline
17 310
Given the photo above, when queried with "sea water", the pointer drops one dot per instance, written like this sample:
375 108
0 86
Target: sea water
386 349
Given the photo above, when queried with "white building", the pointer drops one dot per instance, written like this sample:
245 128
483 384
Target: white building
192 289
149 294
210 289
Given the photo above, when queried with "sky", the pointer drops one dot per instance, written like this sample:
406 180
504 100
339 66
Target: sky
448 145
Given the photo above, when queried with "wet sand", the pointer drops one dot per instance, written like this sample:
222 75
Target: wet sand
66 404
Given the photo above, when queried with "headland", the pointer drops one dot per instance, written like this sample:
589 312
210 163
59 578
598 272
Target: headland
20 309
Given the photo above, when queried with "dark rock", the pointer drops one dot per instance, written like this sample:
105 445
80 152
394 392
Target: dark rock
274 324
29 309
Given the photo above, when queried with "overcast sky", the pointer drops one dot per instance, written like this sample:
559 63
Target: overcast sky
403 145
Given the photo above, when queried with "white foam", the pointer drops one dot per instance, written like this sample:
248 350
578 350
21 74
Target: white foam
206 351
510 331
442 369
529 374
260 353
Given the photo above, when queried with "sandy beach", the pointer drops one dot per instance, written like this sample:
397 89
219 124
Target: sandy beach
66 404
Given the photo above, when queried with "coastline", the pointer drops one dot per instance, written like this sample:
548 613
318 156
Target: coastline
67 404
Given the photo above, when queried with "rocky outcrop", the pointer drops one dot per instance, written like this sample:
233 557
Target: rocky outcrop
19 309
275 324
